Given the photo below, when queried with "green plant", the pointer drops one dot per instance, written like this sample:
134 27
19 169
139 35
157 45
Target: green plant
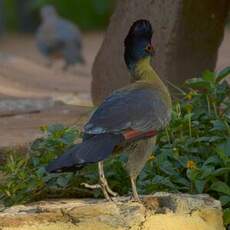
30 171
192 155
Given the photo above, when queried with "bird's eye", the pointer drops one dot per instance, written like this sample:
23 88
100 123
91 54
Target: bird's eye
149 49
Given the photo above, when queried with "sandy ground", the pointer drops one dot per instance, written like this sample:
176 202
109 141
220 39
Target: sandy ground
24 75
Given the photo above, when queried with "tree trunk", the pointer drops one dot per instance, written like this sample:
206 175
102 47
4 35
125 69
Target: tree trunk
187 37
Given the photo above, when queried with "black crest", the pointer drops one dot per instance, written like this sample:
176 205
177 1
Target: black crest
141 29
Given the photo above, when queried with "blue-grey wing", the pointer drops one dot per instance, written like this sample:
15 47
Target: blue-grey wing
141 109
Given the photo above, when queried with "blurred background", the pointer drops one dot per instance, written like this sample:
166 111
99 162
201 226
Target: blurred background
35 95
31 93
30 90
23 15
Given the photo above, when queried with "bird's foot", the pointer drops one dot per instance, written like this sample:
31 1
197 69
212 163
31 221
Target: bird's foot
91 186
105 185
108 193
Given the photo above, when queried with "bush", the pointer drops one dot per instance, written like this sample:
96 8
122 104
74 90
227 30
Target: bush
192 155
38 184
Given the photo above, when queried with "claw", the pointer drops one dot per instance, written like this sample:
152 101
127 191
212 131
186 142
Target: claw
104 182
104 186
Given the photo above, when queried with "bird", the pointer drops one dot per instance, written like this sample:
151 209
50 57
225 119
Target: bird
58 38
128 120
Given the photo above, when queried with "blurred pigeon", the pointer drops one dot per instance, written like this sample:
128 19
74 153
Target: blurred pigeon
59 38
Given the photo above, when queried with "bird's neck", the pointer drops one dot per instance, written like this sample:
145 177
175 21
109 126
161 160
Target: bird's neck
143 71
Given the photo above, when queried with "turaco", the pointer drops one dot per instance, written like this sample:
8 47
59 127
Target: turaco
128 120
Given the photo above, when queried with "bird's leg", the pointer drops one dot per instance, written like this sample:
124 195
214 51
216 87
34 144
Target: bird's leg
107 191
134 189
103 181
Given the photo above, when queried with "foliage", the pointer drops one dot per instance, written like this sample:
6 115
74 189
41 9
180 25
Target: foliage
192 155
38 184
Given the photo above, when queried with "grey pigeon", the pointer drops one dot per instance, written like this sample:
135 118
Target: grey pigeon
59 38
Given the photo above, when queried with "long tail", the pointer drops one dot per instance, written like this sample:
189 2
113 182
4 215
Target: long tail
92 150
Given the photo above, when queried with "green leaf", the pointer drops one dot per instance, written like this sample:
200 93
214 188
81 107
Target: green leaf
198 83
193 174
69 137
160 180
62 181
223 152
55 128
220 186
199 185
223 74
209 76
212 160
220 171
225 200
41 171
206 171
167 167
181 180
227 216
218 125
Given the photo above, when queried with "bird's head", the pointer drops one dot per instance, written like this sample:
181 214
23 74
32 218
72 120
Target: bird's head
138 42
48 12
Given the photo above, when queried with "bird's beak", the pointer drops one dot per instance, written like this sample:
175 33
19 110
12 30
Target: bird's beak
152 50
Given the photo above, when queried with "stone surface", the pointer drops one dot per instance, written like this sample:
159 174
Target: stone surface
162 211
187 36
11 106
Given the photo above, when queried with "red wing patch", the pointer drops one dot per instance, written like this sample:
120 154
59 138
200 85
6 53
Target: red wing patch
135 134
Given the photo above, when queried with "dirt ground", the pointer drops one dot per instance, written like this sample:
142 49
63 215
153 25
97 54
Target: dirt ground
26 83
32 94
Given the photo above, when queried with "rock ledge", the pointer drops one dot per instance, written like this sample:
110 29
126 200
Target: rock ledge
161 211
